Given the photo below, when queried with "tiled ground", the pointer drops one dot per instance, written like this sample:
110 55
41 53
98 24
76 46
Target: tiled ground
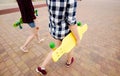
98 54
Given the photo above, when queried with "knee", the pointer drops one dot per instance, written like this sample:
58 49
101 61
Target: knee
37 28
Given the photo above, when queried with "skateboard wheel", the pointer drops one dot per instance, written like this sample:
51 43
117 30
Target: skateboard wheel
52 45
20 20
36 12
16 24
20 26
79 23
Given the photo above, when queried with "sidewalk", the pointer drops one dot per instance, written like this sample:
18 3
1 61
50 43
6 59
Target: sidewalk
98 54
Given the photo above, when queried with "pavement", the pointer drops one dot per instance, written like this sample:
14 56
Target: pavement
97 55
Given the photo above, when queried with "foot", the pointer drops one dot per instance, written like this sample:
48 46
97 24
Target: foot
41 40
68 64
42 71
23 49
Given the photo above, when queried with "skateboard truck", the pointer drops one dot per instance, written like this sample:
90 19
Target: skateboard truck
18 23
36 12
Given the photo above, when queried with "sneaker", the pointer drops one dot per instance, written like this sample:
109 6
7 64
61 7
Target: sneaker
72 60
41 71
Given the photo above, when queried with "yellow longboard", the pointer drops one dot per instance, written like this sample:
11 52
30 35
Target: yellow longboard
68 43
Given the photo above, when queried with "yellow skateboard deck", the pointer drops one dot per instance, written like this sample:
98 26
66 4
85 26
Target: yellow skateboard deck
68 43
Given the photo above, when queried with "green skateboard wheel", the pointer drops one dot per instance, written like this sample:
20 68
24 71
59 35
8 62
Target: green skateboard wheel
79 23
16 24
52 45
20 20
20 26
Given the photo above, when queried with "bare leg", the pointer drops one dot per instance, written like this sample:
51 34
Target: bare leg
69 56
47 60
49 57
29 39
41 69
37 35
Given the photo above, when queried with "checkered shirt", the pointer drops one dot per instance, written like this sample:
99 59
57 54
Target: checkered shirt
62 14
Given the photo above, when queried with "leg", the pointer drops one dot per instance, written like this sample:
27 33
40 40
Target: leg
49 57
29 39
37 35
41 69
69 57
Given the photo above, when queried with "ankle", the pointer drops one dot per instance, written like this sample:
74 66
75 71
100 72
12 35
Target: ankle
69 60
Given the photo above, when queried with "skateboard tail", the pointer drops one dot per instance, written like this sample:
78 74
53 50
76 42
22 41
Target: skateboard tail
82 30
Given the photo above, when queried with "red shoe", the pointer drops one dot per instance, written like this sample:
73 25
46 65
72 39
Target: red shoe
41 71
72 60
